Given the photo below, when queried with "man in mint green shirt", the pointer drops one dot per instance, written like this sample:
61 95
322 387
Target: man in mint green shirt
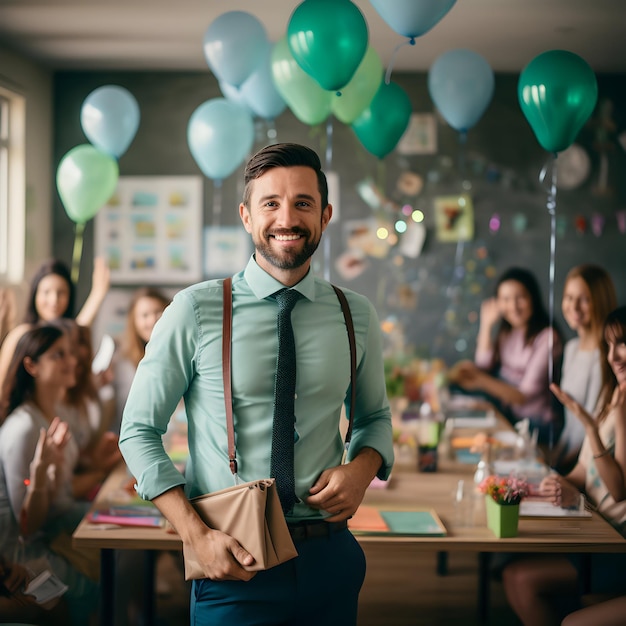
285 209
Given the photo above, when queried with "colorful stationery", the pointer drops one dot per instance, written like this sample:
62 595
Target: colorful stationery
422 522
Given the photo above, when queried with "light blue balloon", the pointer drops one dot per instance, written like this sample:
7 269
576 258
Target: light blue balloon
109 118
220 135
235 95
461 85
260 93
412 18
234 45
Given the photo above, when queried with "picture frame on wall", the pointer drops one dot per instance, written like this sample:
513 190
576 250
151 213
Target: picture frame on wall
454 218
150 231
420 137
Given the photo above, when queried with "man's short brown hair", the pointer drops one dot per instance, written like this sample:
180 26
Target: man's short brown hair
284 155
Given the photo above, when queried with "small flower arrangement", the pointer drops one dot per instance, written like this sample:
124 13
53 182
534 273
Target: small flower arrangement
505 490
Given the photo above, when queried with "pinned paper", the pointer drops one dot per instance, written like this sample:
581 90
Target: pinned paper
413 239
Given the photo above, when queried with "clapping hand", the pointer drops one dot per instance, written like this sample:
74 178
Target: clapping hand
574 407
489 312
106 453
49 452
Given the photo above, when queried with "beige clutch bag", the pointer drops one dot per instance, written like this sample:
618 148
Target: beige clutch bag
250 513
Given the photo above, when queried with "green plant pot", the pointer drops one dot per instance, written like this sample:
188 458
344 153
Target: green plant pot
502 519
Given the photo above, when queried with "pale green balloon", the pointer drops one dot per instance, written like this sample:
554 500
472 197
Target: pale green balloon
307 100
357 95
86 179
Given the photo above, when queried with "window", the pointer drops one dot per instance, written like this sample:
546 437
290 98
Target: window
12 186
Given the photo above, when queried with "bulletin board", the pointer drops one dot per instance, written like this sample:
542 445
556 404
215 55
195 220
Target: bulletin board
150 231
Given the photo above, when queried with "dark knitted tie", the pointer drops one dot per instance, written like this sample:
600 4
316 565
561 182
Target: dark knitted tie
284 398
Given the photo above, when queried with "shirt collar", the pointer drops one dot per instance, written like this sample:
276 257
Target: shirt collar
263 285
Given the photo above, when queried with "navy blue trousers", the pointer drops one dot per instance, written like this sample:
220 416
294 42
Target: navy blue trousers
320 586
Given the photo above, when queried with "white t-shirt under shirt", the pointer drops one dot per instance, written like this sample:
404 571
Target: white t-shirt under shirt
581 378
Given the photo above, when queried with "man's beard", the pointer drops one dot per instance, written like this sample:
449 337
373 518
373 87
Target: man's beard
287 260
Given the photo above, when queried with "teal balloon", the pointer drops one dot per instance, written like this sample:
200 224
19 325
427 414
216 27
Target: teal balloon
557 92
381 125
86 179
412 18
328 39
234 45
109 117
220 135
461 84
307 100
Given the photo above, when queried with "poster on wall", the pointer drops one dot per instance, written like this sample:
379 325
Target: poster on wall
150 231
227 250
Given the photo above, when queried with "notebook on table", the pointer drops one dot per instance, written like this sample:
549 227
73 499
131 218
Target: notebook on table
369 520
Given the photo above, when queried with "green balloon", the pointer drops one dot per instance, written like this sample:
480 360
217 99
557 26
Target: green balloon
557 92
356 96
307 100
86 179
381 125
328 39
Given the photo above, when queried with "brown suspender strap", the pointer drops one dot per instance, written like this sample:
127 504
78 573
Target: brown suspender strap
347 315
227 331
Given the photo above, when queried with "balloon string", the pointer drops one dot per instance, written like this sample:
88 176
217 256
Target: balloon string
329 162
329 143
551 206
78 251
408 42
462 147
217 201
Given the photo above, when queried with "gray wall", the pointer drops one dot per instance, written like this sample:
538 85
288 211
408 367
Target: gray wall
433 299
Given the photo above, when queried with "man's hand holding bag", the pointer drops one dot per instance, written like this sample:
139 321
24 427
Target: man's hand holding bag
251 514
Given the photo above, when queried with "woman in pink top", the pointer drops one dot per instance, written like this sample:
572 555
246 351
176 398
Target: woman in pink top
515 351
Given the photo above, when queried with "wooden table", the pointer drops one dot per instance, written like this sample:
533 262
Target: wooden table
408 489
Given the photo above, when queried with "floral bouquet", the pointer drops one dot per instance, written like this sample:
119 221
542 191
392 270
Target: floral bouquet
505 490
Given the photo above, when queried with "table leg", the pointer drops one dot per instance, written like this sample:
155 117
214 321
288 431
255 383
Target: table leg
149 600
484 559
107 586
442 563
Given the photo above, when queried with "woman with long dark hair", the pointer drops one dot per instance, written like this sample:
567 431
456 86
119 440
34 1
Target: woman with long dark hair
514 349
52 296
38 458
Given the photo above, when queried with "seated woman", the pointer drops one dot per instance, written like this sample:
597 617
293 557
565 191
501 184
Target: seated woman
37 461
512 366
145 310
588 297
84 409
541 590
